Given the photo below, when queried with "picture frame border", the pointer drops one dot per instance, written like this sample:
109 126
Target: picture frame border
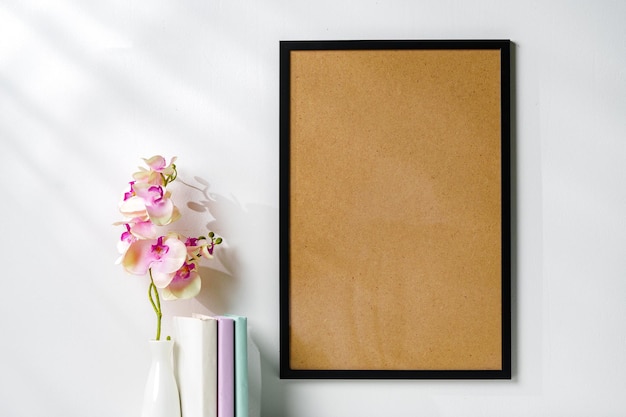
286 47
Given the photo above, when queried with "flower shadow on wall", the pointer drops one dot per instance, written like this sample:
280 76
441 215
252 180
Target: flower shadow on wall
225 284
250 233
220 284
248 271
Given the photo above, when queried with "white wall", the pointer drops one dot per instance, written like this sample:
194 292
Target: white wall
88 87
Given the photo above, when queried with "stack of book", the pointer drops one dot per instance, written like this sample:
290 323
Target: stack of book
211 365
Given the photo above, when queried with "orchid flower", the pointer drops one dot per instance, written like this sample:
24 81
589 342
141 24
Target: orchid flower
163 256
170 260
185 284
158 173
157 203
158 164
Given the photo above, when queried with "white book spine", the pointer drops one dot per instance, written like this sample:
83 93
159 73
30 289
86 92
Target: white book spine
195 365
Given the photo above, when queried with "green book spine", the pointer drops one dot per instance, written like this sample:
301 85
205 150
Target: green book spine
241 365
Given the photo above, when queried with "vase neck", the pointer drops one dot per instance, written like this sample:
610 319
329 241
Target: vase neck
161 349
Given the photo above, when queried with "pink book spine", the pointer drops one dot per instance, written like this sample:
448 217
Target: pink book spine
225 367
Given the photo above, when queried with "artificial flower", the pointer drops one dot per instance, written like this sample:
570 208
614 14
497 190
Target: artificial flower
186 283
164 255
159 173
157 203
158 164
171 260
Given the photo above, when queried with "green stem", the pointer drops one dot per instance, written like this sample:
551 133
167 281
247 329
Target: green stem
153 295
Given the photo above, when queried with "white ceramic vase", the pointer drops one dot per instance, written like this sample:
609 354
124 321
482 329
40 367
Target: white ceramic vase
161 397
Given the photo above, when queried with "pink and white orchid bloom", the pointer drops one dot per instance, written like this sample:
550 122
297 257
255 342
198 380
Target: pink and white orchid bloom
185 284
159 164
163 256
159 173
157 204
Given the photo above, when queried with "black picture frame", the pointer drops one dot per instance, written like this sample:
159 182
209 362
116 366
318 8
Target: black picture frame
289 192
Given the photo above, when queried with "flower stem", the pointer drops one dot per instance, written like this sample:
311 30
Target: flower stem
153 295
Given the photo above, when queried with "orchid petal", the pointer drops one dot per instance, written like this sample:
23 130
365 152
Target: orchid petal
123 245
148 177
143 229
148 192
138 257
170 169
133 207
162 279
156 163
183 288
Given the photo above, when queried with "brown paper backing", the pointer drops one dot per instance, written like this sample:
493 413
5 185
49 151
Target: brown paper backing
395 210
